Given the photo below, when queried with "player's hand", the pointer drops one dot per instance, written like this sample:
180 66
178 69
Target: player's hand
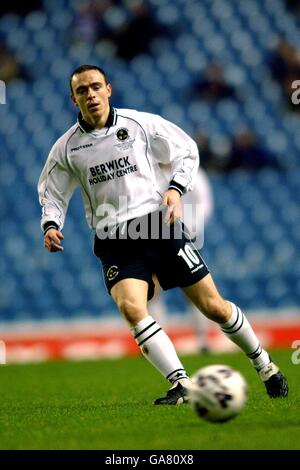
172 200
52 240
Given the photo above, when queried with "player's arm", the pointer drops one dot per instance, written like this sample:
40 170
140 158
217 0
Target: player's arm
172 146
53 239
56 186
171 198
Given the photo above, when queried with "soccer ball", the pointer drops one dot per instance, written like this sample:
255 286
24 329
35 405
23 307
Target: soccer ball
218 393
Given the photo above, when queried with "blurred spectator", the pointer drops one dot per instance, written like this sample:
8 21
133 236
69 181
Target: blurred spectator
213 86
128 25
213 152
284 64
9 67
217 153
248 154
89 24
134 36
284 61
205 153
293 5
19 6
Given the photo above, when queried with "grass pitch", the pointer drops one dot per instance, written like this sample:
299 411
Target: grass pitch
108 405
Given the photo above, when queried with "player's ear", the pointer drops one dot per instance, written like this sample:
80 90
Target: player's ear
109 89
74 100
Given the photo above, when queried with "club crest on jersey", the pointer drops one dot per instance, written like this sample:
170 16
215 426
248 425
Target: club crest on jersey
124 141
112 272
122 134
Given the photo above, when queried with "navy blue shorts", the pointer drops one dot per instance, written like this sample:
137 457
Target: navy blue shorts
174 259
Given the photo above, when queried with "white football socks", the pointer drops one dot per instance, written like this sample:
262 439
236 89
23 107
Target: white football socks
158 349
239 330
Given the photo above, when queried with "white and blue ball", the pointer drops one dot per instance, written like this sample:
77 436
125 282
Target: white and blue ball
218 393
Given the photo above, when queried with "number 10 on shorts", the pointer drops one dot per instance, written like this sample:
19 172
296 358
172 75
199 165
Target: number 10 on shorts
190 257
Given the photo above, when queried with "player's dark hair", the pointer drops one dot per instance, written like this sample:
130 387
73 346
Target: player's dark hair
84 68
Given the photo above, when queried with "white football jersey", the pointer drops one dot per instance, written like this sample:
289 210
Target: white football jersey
116 167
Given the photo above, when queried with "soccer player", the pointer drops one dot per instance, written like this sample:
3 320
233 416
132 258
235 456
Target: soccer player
114 156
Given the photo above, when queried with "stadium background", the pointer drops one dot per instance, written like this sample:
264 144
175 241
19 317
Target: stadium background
55 305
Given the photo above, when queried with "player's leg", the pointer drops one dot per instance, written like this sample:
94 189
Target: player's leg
202 327
157 307
236 327
128 278
131 296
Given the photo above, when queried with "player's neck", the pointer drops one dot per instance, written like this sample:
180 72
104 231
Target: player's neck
97 122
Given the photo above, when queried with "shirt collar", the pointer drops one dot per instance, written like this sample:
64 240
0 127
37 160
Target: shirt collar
88 128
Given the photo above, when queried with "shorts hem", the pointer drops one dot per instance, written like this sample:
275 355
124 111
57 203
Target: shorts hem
186 284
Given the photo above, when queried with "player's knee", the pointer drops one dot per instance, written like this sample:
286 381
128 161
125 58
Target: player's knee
216 309
131 310
126 306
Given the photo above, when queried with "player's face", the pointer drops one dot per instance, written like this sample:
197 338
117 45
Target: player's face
91 94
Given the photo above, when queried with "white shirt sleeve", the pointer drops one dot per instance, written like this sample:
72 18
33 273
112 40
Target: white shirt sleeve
55 187
171 145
